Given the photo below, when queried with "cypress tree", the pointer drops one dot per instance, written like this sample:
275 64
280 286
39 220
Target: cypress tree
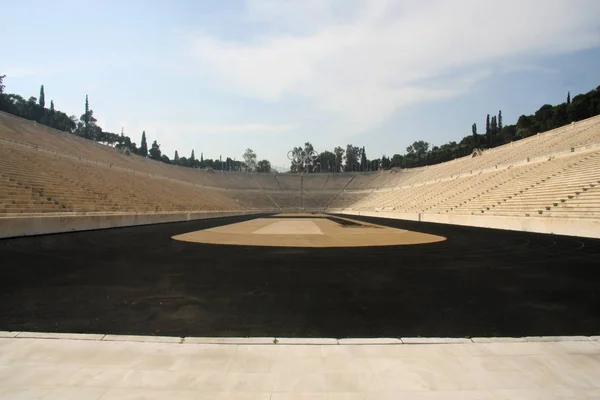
42 97
86 115
52 105
487 129
499 120
144 146
568 98
493 130
176 158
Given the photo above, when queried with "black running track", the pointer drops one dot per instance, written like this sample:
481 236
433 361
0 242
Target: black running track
479 282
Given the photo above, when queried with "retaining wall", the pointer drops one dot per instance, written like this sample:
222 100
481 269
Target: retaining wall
558 226
56 223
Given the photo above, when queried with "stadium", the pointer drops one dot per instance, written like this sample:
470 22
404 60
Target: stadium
108 251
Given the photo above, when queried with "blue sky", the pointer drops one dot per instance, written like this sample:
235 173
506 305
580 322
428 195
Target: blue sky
221 76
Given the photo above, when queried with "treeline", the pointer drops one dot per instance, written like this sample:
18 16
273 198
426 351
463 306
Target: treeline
495 134
86 126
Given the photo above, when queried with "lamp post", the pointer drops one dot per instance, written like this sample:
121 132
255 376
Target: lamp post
301 159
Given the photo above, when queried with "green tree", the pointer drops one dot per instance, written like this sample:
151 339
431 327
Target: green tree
386 163
494 126
544 117
143 146
303 163
263 166
42 97
52 105
250 160
568 98
86 127
419 149
352 158
2 85
397 161
86 115
327 161
500 120
580 108
527 126
488 132
561 115
155 152
364 162
493 131
176 158
339 159
374 165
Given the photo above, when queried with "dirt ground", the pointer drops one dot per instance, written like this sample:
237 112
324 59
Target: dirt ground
307 231
477 282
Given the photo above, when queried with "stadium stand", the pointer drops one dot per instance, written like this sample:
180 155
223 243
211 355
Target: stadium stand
360 180
318 199
45 182
289 182
266 181
337 181
287 200
315 181
554 174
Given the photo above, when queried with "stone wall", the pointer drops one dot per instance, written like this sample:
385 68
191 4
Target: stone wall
56 223
558 226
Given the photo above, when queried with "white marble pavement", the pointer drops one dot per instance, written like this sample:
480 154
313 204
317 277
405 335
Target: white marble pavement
98 367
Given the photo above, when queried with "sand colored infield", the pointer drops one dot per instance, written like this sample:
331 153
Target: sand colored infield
306 232
293 227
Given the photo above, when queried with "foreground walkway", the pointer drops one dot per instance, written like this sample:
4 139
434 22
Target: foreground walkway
90 367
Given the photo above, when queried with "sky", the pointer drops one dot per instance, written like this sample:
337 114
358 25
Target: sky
222 76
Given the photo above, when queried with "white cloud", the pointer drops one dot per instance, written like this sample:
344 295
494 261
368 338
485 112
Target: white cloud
386 55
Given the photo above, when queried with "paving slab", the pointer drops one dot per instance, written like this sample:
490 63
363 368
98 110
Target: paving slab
57 335
229 340
315 341
434 340
139 338
370 341
497 339
556 338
